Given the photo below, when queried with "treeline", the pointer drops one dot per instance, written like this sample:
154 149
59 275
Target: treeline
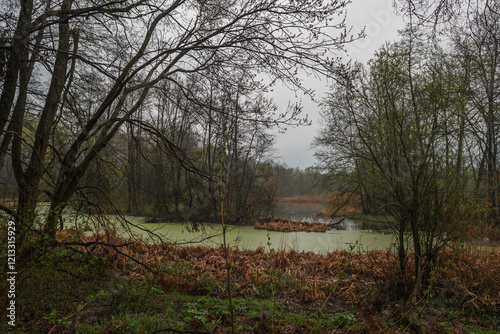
415 135
190 152
144 100
294 182
186 150
184 145
190 146
420 120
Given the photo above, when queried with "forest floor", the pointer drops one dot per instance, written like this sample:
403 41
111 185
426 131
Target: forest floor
95 289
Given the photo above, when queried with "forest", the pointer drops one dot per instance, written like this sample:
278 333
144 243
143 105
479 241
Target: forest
122 118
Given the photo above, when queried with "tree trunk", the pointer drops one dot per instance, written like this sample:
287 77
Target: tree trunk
17 58
28 181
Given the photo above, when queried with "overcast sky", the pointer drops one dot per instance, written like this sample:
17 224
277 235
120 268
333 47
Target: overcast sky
377 16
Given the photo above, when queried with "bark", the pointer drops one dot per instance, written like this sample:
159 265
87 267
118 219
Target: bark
29 180
18 58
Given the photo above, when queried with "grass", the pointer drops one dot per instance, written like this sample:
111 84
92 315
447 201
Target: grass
209 314
128 304
80 290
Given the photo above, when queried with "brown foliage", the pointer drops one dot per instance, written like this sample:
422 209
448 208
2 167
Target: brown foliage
472 279
463 278
281 224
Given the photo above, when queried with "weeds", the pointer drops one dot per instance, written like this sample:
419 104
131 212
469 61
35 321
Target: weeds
289 291
224 229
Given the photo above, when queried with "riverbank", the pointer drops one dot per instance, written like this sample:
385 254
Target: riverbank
161 288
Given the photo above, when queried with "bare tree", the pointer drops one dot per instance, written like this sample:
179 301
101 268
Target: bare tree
436 15
477 48
128 49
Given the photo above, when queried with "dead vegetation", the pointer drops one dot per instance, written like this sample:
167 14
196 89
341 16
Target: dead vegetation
464 278
366 285
281 224
341 204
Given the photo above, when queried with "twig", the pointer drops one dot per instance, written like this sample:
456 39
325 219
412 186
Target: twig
115 247
92 243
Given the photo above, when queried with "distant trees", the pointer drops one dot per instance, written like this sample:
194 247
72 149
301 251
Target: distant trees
296 182
78 75
180 183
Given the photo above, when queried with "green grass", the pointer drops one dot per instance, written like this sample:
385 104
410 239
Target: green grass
318 320
71 292
476 330
209 313
75 292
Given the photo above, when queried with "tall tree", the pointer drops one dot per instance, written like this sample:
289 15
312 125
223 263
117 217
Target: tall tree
390 129
128 48
477 48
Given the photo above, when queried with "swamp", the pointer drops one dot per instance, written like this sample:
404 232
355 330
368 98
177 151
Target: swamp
264 166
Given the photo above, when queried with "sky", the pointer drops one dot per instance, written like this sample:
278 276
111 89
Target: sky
293 148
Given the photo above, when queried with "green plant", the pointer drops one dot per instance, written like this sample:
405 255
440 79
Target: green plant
100 295
55 319
193 312
352 247
272 274
476 330
343 319
224 227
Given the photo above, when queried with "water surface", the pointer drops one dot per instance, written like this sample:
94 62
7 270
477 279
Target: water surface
246 237
306 212
358 235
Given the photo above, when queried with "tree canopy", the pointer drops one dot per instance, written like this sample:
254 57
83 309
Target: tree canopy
76 74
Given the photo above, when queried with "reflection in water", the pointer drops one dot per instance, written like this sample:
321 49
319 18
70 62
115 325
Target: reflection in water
299 211
358 224
306 212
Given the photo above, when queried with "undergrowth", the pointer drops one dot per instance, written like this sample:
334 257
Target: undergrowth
94 290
